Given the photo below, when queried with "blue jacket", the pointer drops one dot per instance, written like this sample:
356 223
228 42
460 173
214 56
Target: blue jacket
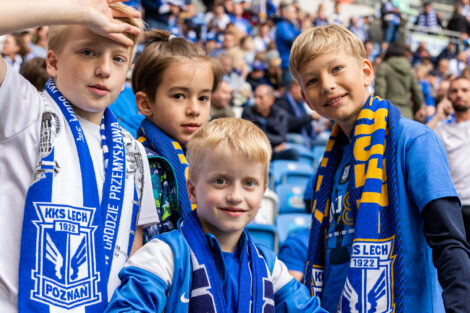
286 32
158 277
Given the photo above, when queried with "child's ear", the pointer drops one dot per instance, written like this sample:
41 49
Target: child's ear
368 71
51 63
191 191
143 103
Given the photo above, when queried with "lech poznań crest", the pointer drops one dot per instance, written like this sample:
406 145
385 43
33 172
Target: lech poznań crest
65 273
373 292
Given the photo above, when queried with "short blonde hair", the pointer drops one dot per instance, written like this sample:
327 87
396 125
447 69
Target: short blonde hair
238 134
58 34
323 39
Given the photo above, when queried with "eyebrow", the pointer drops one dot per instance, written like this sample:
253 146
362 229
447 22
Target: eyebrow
177 88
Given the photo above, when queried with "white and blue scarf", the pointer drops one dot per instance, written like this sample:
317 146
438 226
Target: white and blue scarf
206 284
69 238
374 282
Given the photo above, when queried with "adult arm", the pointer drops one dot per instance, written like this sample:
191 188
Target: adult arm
380 86
445 233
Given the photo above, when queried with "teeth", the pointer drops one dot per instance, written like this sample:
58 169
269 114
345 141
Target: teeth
334 100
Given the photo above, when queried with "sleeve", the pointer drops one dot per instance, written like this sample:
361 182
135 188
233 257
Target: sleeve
148 213
445 233
145 280
290 296
293 251
277 131
429 180
20 106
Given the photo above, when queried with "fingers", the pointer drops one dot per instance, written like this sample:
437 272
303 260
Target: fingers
117 32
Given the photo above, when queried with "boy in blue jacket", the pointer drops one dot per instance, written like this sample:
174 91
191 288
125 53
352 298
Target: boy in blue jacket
210 263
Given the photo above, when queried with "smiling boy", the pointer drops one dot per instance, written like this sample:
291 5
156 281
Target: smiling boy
210 263
75 190
378 196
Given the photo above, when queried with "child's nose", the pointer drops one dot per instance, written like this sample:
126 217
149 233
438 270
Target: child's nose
103 67
235 194
327 84
193 107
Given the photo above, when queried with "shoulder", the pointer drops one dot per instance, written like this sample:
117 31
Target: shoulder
279 272
409 130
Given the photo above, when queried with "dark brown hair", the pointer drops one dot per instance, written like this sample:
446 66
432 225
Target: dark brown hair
35 72
162 50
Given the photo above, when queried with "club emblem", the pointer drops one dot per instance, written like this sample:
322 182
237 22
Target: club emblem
65 273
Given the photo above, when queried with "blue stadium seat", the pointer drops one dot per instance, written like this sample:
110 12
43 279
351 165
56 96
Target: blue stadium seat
265 235
283 171
291 198
286 223
306 155
294 138
318 151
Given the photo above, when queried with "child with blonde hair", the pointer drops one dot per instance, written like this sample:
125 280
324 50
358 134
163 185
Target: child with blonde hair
210 263
382 191
75 190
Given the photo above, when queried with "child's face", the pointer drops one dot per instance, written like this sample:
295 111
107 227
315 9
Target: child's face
182 100
335 86
90 71
228 193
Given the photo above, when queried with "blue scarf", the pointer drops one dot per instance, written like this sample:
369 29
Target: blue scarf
206 286
375 276
152 137
65 258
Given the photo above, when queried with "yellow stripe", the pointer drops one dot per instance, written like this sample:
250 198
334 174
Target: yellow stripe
318 215
182 159
141 139
323 162
320 178
176 145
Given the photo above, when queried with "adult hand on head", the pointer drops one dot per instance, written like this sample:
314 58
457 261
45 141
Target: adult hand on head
102 19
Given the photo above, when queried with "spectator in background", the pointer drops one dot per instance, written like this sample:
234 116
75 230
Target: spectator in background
273 122
39 40
35 72
158 13
262 39
390 16
321 18
274 75
358 28
217 19
457 64
459 22
456 139
336 16
299 121
428 18
406 95
286 32
237 18
257 75
220 101
465 8
11 51
421 71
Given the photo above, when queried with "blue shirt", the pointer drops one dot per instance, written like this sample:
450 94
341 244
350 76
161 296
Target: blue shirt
422 177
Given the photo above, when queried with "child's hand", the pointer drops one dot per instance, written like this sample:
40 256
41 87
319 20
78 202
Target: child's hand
101 19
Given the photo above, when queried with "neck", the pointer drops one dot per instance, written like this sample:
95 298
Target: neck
462 116
92 117
228 241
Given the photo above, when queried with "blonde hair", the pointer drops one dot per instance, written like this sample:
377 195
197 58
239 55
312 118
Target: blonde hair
58 34
238 134
323 39
162 49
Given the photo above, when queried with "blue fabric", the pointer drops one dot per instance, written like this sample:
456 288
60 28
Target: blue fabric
207 289
375 269
152 137
143 291
60 225
419 182
126 112
293 252
286 33
232 274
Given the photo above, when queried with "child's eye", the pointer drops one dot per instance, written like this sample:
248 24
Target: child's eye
204 98
120 59
337 68
250 183
220 181
178 96
87 52
311 81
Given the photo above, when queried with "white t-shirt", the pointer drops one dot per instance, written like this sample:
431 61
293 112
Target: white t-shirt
456 140
21 112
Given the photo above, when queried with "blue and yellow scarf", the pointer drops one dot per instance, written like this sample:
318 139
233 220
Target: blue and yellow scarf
164 146
374 279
